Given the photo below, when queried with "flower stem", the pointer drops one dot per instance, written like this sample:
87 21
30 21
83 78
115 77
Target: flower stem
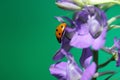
95 59
107 62
107 72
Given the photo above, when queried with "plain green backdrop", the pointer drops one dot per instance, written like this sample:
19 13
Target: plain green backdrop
28 42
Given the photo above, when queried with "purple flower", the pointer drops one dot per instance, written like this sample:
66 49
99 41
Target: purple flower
71 71
91 28
117 46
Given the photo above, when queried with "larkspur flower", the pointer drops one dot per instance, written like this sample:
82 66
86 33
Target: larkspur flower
91 28
71 71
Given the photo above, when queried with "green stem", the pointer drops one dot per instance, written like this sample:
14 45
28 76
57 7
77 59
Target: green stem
106 73
107 62
95 59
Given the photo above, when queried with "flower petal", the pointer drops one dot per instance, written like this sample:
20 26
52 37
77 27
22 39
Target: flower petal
118 61
81 41
86 57
89 72
73 74
58 55
94 27
117 42
87 62
73 71
68 6
59 70
64 45
99 42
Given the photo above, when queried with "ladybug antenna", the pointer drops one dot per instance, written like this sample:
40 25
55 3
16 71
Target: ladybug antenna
60 19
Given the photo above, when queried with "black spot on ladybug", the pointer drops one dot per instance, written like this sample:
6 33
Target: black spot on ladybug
56 29
59 34
61 26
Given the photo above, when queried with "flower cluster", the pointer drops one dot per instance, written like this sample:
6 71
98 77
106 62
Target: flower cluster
71 71
87 31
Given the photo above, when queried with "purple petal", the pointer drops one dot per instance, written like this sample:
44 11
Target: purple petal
85 58
82 38
59 70
73 74
118 61
81 41
94 26
99 42
81 17
73 71
117 43
117 47
101 17
87 62
64 45
58 55
84 29
89 72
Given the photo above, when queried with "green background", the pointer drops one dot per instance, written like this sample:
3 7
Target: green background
28 42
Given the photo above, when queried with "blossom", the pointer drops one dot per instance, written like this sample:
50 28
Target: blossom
91 28
71 71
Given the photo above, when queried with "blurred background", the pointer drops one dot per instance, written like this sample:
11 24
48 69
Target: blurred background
28 42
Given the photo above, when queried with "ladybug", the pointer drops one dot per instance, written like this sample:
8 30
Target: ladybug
60 30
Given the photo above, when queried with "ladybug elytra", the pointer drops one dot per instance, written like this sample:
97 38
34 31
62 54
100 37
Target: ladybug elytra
60 30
